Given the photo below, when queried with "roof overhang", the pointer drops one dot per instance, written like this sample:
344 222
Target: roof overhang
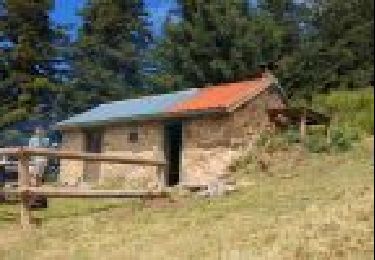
141 118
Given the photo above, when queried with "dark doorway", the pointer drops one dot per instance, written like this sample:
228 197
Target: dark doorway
173 147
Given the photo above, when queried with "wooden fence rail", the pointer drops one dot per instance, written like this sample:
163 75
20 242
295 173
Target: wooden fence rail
23 155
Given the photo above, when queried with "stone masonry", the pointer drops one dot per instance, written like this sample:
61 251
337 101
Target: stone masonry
72 171
209 144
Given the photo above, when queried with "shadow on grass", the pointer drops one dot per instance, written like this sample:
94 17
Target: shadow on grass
63 209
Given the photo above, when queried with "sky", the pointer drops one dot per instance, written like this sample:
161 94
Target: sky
65 12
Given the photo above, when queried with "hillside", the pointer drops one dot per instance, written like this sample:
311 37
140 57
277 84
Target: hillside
304 206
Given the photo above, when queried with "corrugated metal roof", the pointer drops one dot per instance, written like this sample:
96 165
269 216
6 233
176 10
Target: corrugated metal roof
222 96
188 102
129 109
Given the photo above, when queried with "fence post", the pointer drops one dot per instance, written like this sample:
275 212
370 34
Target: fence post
328 134
23 186
302 126
160 176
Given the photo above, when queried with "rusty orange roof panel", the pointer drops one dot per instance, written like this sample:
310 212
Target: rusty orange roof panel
222 96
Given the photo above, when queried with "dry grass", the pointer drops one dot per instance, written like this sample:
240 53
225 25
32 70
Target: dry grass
323 209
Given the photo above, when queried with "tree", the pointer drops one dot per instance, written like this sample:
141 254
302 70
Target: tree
25 87
347 29
291 16
215 41
109 53
336 50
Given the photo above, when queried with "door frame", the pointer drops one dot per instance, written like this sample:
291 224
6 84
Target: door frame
167 150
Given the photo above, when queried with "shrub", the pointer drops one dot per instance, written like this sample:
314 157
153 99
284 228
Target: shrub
342 138
292 136
317 144
242 162
354 109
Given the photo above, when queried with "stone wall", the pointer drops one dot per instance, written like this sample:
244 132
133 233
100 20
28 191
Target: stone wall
211 143
72 171
150 145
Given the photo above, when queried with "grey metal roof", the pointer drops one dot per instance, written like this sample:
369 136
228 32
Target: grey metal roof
131 109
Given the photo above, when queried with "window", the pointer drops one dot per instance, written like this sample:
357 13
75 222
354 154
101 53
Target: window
94 141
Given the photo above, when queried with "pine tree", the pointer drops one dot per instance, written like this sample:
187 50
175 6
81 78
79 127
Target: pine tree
291 16
109 52
336 49
346 31
215 41
26 88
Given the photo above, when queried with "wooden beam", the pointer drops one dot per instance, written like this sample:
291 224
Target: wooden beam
10 151
294 114
23 185
26 192
303 127
76 193
79 156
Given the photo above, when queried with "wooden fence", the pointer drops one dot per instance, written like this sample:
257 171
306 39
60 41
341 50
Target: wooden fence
25 191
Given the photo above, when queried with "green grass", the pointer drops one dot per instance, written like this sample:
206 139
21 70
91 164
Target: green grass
306 206
303 206
349 109
352 117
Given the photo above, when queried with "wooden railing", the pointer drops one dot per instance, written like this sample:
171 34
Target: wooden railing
26 191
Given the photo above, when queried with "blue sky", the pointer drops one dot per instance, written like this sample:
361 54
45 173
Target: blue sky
65 12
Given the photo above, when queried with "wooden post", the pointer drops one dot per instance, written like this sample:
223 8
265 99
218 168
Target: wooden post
24 182
161 176
303 127
328 134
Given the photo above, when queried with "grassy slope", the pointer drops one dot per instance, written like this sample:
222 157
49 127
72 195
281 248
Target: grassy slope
325 210
322 210
353 109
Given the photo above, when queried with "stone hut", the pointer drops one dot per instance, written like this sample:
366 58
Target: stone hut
198 132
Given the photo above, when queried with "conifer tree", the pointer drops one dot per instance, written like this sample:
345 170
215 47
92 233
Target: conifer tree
26 88
109 53
215 41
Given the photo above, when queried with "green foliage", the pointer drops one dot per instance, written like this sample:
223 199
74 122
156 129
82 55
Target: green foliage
317 45
349 109
316 143
292 135
288 14
314 51
335 51
13 137
243 162
24 80
342 140
216 42
352 117
108 55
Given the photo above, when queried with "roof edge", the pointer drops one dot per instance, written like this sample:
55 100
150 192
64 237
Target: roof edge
159 117
248 98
